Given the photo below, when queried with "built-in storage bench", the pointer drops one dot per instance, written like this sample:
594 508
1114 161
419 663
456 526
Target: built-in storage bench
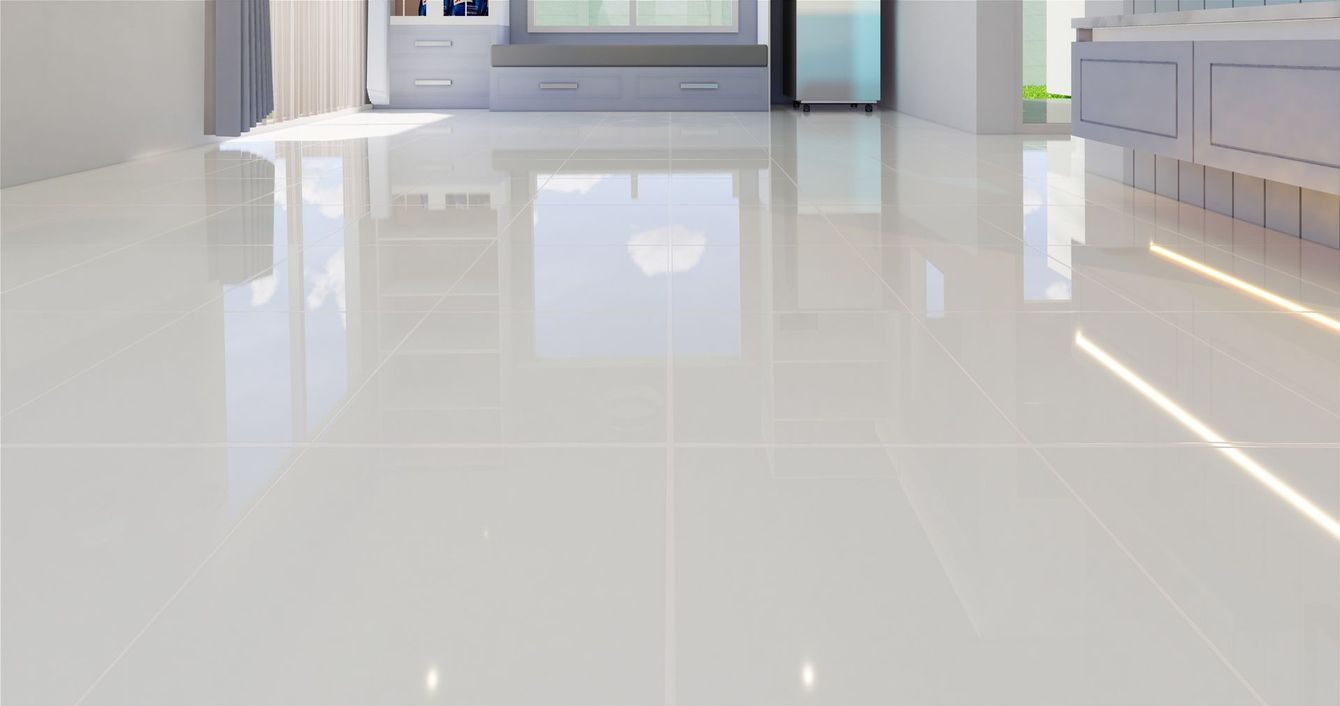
629 77
440 65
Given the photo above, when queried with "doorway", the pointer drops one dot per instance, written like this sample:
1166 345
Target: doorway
1045 87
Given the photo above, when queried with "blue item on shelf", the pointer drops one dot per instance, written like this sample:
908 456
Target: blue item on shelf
423 8
466 8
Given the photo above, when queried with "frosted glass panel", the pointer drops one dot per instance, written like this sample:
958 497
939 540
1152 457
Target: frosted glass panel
685 13
634 15
580 13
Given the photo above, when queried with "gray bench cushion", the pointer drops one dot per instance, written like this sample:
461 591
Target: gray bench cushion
630 55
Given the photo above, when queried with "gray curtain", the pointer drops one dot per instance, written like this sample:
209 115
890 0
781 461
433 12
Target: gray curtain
243 83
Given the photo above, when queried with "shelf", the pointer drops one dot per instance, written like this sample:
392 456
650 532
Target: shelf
420 21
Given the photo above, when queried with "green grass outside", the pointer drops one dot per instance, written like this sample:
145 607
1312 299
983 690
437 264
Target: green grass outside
1039 93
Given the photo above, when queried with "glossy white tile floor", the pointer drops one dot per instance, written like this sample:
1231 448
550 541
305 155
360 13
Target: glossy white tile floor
660 409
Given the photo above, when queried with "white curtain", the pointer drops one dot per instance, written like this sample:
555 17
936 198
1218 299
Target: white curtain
320 49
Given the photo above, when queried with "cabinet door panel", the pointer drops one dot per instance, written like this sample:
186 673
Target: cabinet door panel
1270 109
1134 94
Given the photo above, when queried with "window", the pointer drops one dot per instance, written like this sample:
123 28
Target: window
634 15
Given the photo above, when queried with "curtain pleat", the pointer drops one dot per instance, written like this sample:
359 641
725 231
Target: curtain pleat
267 58
319 56
282 59
242 85
248 72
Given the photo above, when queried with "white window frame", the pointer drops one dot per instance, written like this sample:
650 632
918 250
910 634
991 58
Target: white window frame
632 26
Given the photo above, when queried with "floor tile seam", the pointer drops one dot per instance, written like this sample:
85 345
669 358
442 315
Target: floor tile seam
149 204
1195 627
1164 318
146 241
1254 261
747 312
947 203
1140 567
151 182
783 171
320 242
153 618
669 627
258 503
181 316
1023 436
925 329
348 400
683 444
120 248
1222 248
422 317
416 241
331 419
377 368
88 177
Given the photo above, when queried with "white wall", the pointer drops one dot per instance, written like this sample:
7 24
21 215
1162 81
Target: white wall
957 62
935 60
87 83
1000 34
1059 36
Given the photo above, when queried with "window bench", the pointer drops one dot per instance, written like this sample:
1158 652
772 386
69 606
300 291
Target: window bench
629 77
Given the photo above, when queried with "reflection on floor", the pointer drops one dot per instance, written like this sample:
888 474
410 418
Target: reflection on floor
660 408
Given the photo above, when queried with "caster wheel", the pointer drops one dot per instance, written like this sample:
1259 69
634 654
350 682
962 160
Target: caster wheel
795 104
853 105
806 108
869 108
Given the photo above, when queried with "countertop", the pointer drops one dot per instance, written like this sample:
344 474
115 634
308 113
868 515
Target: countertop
1257 13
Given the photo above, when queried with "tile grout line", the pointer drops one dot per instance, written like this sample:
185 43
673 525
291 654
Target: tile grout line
303 450
136 243
1163 316
284 474
1171 446
1172 602
670 674
1214 649
1134 215
183 315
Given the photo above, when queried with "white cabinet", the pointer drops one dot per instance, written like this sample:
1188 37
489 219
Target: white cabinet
1135 94
436 65
1268 109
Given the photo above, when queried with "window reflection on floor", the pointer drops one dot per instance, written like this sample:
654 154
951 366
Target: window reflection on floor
296 303
1047 273
610 298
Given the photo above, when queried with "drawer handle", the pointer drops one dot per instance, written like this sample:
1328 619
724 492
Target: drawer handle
707 86
558 85
432 42
432 82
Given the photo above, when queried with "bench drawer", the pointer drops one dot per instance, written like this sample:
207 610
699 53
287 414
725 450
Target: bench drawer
629 88
441 42
702 89
443 88
577 88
